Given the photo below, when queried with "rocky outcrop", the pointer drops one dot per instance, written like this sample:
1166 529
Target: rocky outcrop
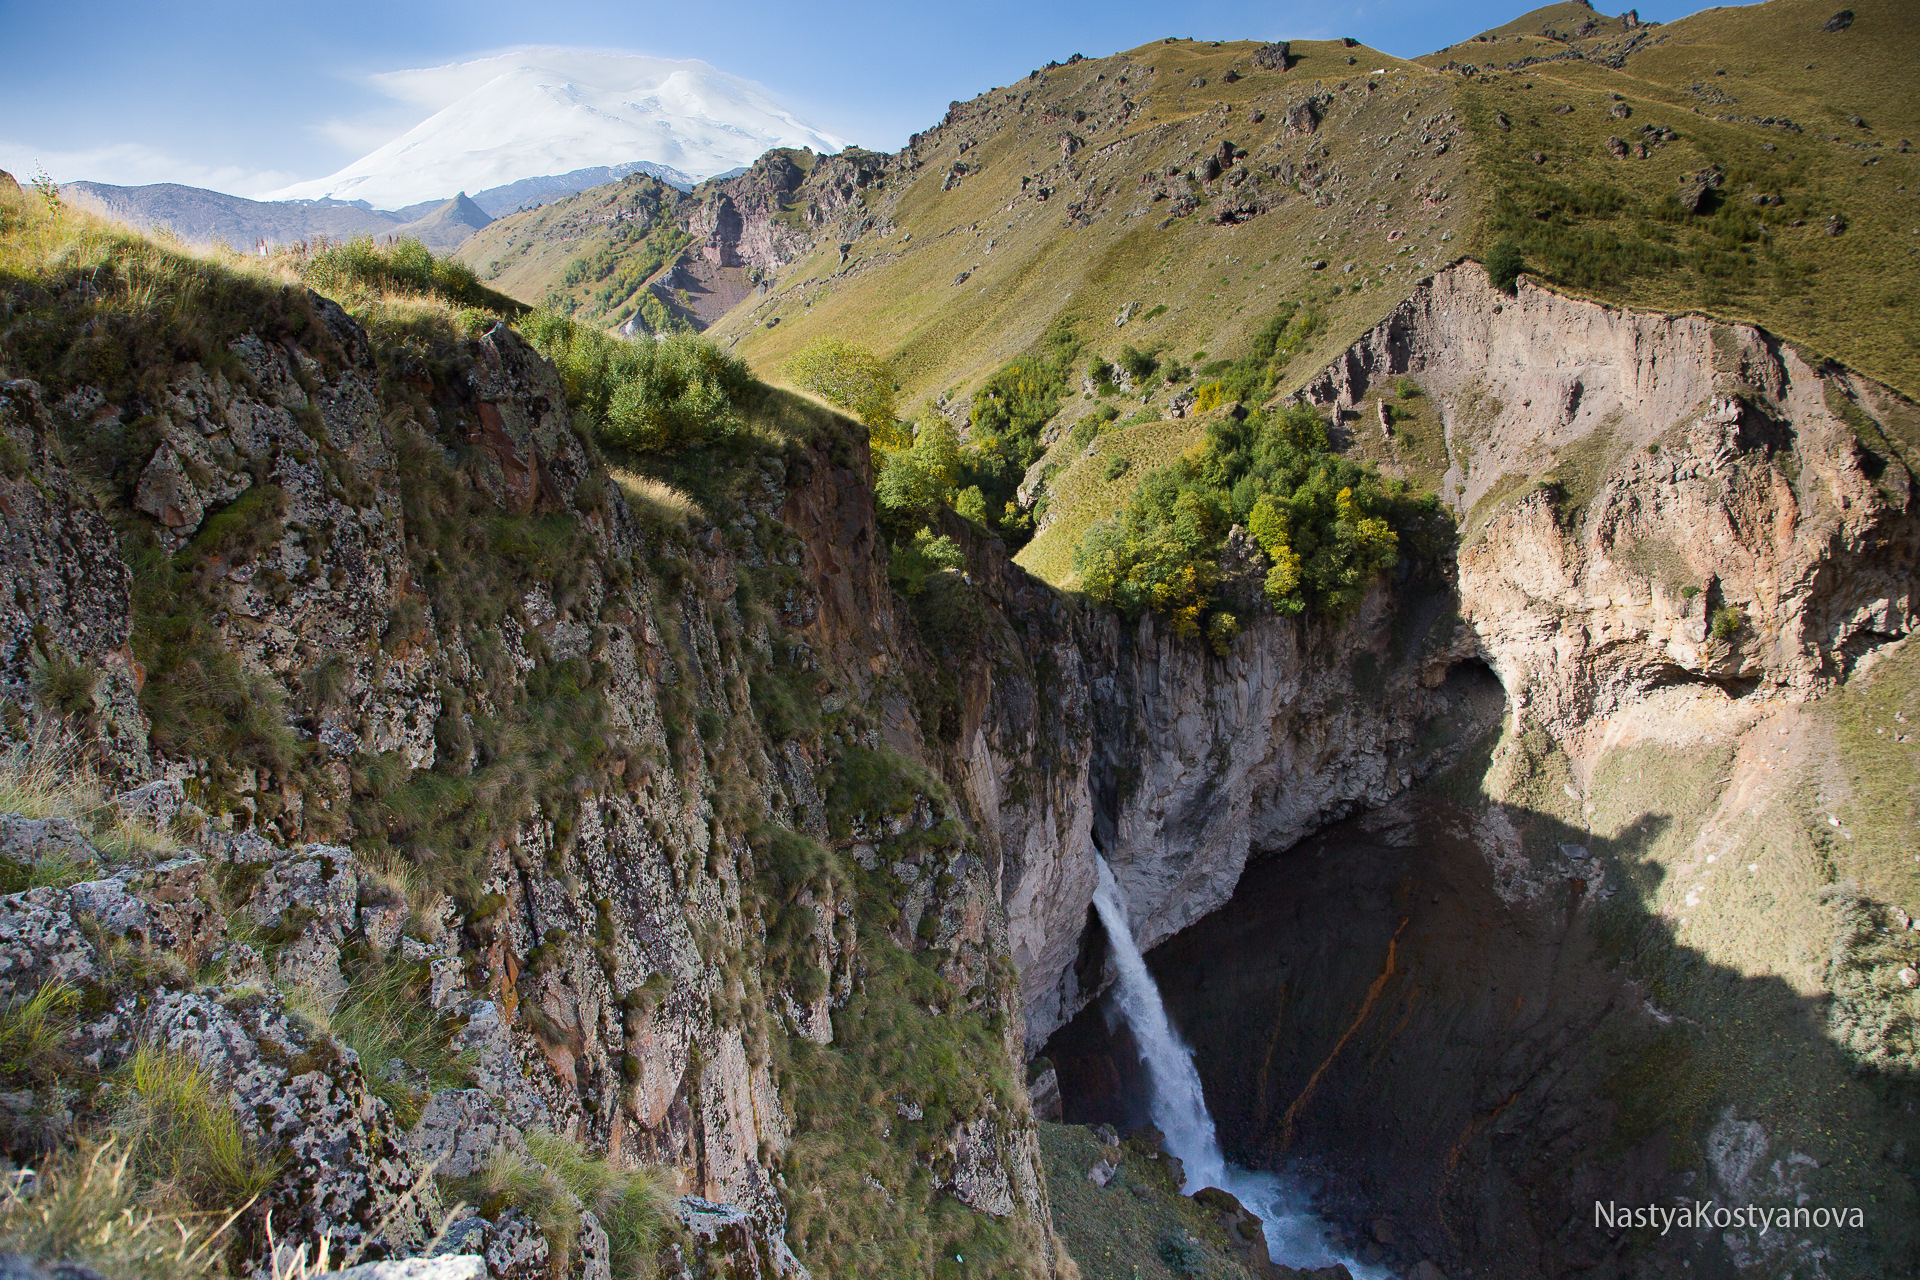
1649 498
68 600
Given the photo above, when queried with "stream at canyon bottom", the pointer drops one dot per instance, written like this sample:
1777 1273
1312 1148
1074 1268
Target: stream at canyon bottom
1295 1236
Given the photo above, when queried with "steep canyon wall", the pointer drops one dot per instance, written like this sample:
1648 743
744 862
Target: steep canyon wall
694 783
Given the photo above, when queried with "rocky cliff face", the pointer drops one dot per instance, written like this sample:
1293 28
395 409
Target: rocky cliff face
691 806
1624 479
447 703
1576 965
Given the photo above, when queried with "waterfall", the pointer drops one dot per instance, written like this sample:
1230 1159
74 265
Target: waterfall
1178 1104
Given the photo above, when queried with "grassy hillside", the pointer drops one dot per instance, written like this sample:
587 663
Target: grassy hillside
1175 197
1126 220
1137 1226
1091 483
588 256
1811 231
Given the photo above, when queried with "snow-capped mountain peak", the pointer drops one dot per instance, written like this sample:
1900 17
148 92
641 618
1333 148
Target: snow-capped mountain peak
547 111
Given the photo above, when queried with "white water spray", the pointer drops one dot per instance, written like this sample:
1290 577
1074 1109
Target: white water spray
1295 1237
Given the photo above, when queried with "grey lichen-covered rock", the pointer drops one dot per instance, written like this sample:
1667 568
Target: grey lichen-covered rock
978 1175
296 1093
443 1268
458 1130
730 1242
29 841
593 1252
172 901
64 590
154 804
311 894
41 941
516 1250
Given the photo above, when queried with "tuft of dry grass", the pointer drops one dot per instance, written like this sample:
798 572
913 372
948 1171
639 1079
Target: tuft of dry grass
44 778
658 502
88 1206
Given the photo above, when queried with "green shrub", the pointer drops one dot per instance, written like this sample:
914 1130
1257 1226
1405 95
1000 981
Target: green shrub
1327 525
1727 622
910 484
1140 365
1222 629
1117 465
1252 376
927 553
971 504
657 396
854 378
1088 429
1504 265
1182 1256
1010 410
404 266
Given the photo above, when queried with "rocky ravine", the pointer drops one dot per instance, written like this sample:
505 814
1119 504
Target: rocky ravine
1617 953
1620 478
607 964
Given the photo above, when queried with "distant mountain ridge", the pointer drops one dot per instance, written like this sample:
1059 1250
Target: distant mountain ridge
204 217
207 217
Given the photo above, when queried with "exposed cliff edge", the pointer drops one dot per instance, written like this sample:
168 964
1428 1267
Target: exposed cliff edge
1622 479
1651 938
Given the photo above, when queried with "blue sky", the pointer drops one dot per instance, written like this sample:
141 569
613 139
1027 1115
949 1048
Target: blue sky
247 96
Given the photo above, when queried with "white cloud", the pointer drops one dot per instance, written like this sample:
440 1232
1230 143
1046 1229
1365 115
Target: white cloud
134 164
437 87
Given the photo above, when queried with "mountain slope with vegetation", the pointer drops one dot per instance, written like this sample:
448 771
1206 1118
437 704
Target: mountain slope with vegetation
435 775
1155 211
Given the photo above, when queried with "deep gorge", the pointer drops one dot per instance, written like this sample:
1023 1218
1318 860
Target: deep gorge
738 863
